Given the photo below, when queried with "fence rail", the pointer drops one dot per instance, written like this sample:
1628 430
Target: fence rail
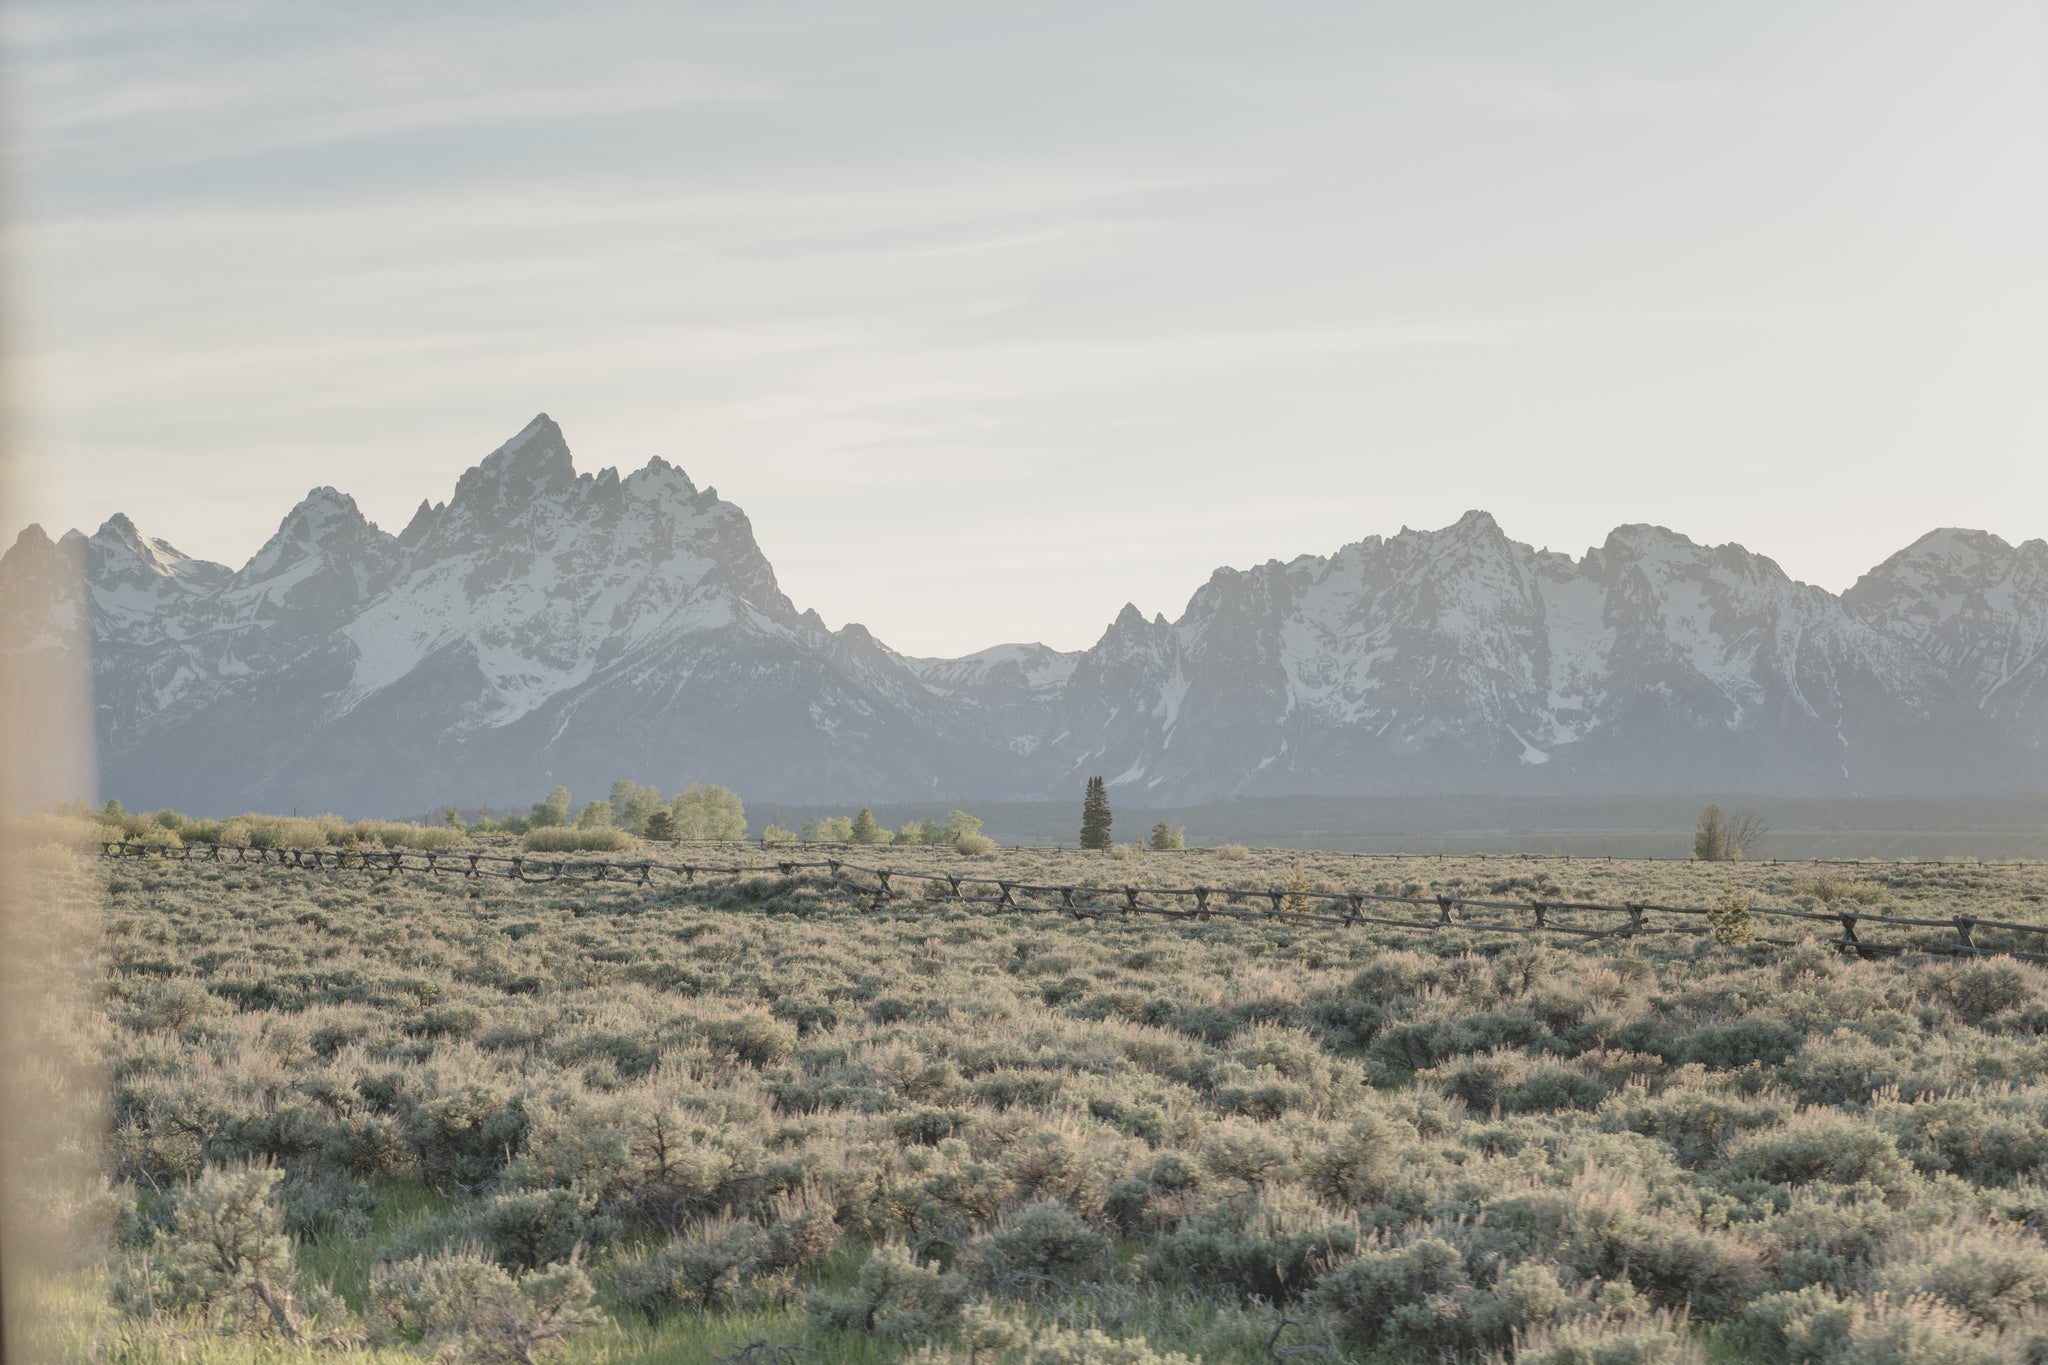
1292 905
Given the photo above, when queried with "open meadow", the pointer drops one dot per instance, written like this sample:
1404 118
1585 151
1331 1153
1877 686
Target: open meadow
768 1118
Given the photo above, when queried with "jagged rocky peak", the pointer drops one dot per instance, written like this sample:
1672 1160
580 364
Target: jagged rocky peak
324 521
119 551
1950 565
660 478
1969 599
42 585
534 466
35 547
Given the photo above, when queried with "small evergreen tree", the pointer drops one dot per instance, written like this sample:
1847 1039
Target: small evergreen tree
1730 923
1095 815
1167 837
1710 837
865 830
661 824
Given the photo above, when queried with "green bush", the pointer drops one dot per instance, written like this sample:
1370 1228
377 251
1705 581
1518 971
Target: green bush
1046 1240
1819 1146
218 1249
893 1297
463 1304
580 839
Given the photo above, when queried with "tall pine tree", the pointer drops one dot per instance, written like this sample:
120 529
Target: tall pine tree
865 830
1095 815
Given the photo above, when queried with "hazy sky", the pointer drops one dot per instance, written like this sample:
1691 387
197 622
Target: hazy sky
993 316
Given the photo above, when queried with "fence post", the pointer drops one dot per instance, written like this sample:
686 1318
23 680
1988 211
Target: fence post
1443 909
1849 942
1964 924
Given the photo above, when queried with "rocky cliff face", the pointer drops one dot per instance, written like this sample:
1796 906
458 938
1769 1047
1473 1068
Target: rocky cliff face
1458 660
1978 608
547 626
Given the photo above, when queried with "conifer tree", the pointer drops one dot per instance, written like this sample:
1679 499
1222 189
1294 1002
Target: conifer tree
1167 838
1095 816
865 830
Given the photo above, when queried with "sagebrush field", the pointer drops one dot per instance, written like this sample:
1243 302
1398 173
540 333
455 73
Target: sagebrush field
762 1120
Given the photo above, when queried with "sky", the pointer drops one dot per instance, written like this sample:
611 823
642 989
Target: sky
994 317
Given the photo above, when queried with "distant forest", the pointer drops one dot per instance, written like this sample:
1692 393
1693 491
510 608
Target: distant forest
1623 826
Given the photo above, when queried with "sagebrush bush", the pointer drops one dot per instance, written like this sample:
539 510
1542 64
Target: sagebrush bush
219 1249
893 1297
465 1305
1408 1142
580 839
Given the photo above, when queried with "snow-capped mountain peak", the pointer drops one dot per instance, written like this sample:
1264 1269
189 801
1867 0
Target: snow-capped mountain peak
544 625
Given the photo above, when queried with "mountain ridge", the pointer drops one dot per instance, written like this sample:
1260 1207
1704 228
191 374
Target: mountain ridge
545 625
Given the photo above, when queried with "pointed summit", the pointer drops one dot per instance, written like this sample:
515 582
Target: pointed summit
121 549
529 472
326 524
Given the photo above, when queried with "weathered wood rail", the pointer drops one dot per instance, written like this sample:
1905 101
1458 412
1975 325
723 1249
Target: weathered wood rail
1955 936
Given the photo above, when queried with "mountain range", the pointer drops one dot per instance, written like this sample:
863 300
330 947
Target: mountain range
544 626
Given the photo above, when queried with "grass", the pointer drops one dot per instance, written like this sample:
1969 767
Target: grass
1215 1124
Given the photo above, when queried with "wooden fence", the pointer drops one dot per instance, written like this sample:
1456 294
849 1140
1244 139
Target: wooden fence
1587 921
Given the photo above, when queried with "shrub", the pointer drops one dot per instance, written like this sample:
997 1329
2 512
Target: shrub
463 1304
220 1248
1233 853
1995 1275
1274 1249
580 839
1729 923
468 1134
975 846
1817 1326
1090 1346
1830 890
324 1204
1167 837
528 1229
1403 1298
1612 1341
1044 1240
894 1297
1820 1146
703 1269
